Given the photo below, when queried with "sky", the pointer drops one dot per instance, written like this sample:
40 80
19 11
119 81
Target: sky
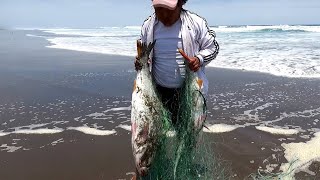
106 13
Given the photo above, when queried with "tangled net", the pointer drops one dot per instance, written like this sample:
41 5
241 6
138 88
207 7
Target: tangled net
183 152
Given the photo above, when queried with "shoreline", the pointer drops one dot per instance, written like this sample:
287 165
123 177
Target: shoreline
64 88
48 44
41 33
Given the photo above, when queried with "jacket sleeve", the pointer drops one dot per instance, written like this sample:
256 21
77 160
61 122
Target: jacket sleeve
143 35
144 29
209 47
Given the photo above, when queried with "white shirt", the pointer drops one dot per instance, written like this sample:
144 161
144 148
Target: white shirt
168 66
198 40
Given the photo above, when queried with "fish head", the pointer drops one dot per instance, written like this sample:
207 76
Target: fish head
144 51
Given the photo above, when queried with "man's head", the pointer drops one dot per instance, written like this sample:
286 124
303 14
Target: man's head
169 4
168 11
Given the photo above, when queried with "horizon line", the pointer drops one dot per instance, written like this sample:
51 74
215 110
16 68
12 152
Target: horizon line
123 26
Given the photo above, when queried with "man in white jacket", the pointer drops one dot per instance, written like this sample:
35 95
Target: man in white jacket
175 28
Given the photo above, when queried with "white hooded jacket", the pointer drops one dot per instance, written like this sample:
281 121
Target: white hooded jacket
198 40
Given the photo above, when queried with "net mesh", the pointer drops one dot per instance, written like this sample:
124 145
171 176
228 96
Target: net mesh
183 152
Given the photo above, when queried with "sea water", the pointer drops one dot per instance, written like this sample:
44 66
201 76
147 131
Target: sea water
282 50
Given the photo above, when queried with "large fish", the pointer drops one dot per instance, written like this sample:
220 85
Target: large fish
145 113
193 115
198 106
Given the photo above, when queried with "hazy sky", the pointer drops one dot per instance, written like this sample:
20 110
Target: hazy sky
97 13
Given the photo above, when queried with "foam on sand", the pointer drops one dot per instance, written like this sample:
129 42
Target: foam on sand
54 143
3 134
38 131
277 130
32 126
302 154
119 109
33 131
9 148
93 131
220 128
125 127
96 114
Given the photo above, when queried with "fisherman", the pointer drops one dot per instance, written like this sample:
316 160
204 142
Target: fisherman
173 28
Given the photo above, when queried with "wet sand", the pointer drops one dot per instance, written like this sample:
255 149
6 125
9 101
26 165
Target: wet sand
43 88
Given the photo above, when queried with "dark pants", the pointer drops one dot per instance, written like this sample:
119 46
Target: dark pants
170 98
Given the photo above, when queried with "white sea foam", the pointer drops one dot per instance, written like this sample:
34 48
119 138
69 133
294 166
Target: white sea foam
31 35
105 45
84 129
119 109
31 126
308 113
133 27
253 114
271 167
54 143
38 131
302 154
93 131
227 29
32 129
9 148
220 128
287 54
96 114
125 127
105 32
107 40
282 50
3 134
279 131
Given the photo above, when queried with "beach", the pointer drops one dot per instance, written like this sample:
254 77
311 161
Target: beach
66 115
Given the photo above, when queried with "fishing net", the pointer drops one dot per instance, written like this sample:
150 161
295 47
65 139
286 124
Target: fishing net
183 152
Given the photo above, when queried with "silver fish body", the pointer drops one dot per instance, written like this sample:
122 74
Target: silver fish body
145 115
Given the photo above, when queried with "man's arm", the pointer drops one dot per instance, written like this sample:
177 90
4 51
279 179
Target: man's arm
209 47
144 29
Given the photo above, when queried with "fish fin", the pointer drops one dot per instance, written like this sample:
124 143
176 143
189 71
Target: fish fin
139 48
134 85
200 83
150 47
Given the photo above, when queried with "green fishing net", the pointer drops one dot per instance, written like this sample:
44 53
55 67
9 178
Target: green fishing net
183 152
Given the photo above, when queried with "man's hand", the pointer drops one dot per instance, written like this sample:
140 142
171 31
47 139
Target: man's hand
194 62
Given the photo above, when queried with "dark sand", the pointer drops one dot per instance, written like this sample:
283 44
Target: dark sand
64 88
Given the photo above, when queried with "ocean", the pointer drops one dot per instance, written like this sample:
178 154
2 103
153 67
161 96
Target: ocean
281 50
66 114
